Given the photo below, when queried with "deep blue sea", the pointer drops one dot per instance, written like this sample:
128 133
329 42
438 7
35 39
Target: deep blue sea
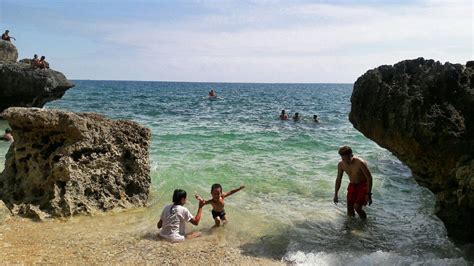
288 168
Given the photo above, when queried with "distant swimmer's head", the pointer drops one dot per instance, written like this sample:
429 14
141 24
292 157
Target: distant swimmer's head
216 191
296 117
7 31
346 153
179 197
283 112
35 56
43 57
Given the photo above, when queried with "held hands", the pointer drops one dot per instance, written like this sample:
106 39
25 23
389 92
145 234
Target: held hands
201 201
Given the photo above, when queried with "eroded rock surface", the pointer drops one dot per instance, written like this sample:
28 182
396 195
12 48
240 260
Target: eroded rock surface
65 163
24 86
423 112
8 52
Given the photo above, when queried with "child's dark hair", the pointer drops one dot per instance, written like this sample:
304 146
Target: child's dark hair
178 195
216 186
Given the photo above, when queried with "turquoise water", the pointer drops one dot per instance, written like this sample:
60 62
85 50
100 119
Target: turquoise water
289 168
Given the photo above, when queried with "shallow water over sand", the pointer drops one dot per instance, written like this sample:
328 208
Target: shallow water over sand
286 210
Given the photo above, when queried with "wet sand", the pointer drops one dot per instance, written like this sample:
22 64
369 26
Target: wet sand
112 238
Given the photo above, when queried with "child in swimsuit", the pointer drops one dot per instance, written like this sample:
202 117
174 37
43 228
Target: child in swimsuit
217 202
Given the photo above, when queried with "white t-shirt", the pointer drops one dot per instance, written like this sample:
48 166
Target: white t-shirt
174 219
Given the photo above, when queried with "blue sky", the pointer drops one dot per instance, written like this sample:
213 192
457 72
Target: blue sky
236 41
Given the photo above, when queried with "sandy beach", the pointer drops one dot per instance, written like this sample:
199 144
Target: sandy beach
98 240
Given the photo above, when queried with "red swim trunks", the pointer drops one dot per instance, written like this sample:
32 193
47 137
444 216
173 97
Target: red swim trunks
356 194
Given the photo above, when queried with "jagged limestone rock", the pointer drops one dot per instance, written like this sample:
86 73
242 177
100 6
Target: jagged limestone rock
423 112
8 52
65 163
22 85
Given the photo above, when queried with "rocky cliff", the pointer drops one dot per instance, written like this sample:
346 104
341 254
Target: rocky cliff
25 86
8 52
65 163
423 112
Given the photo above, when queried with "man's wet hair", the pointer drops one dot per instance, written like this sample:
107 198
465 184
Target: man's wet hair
345 150
216 186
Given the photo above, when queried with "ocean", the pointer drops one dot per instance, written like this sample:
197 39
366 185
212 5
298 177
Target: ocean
289 168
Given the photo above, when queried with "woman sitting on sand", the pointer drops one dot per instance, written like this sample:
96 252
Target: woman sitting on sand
175 216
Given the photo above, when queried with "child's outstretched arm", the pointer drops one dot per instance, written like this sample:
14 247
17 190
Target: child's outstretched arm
226 194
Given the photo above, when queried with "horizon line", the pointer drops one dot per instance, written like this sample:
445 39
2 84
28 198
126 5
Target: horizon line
221 82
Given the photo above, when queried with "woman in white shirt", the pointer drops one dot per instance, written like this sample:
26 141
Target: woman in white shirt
175 216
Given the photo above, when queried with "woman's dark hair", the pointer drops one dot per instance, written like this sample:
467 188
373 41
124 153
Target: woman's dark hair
178 194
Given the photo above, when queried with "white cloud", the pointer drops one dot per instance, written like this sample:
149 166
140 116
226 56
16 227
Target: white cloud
286 43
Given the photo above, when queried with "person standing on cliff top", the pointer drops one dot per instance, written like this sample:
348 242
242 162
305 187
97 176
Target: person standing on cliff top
359 191
7 38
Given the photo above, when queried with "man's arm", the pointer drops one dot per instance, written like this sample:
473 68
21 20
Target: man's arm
338 182
368 176
226 194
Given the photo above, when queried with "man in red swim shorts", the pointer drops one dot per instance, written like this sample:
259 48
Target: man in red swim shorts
360 182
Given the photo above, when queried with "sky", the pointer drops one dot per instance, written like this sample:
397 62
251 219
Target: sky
269 41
